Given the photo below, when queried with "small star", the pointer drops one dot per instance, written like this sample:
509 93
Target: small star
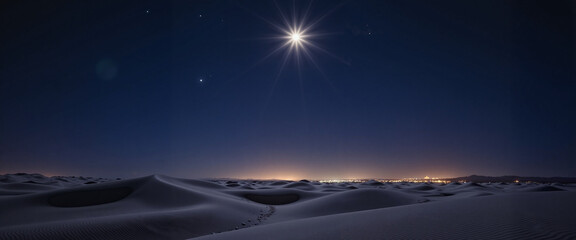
200 15
201 80
147 11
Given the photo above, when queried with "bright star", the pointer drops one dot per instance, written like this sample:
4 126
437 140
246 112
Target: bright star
298 34
295 37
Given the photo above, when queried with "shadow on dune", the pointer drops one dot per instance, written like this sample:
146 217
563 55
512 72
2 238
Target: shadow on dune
89 197
279 199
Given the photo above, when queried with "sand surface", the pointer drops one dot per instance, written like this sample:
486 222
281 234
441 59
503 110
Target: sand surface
33 206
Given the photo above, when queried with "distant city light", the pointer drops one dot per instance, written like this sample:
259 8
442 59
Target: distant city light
411 180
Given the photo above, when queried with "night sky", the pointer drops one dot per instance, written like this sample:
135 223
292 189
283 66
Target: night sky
372 89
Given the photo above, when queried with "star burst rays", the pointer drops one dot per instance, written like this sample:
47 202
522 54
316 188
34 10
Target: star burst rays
296 37
297 33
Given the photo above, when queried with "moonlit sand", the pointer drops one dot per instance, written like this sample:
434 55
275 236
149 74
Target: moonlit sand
33 206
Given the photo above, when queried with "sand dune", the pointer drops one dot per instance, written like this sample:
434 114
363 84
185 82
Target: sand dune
349 201
513 216
33 206
146 208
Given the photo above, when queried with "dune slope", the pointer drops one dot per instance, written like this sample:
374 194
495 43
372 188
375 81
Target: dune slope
513 216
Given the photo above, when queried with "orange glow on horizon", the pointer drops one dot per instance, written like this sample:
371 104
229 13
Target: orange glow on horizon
286 168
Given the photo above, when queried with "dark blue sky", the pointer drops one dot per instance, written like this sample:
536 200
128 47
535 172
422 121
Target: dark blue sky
184 88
